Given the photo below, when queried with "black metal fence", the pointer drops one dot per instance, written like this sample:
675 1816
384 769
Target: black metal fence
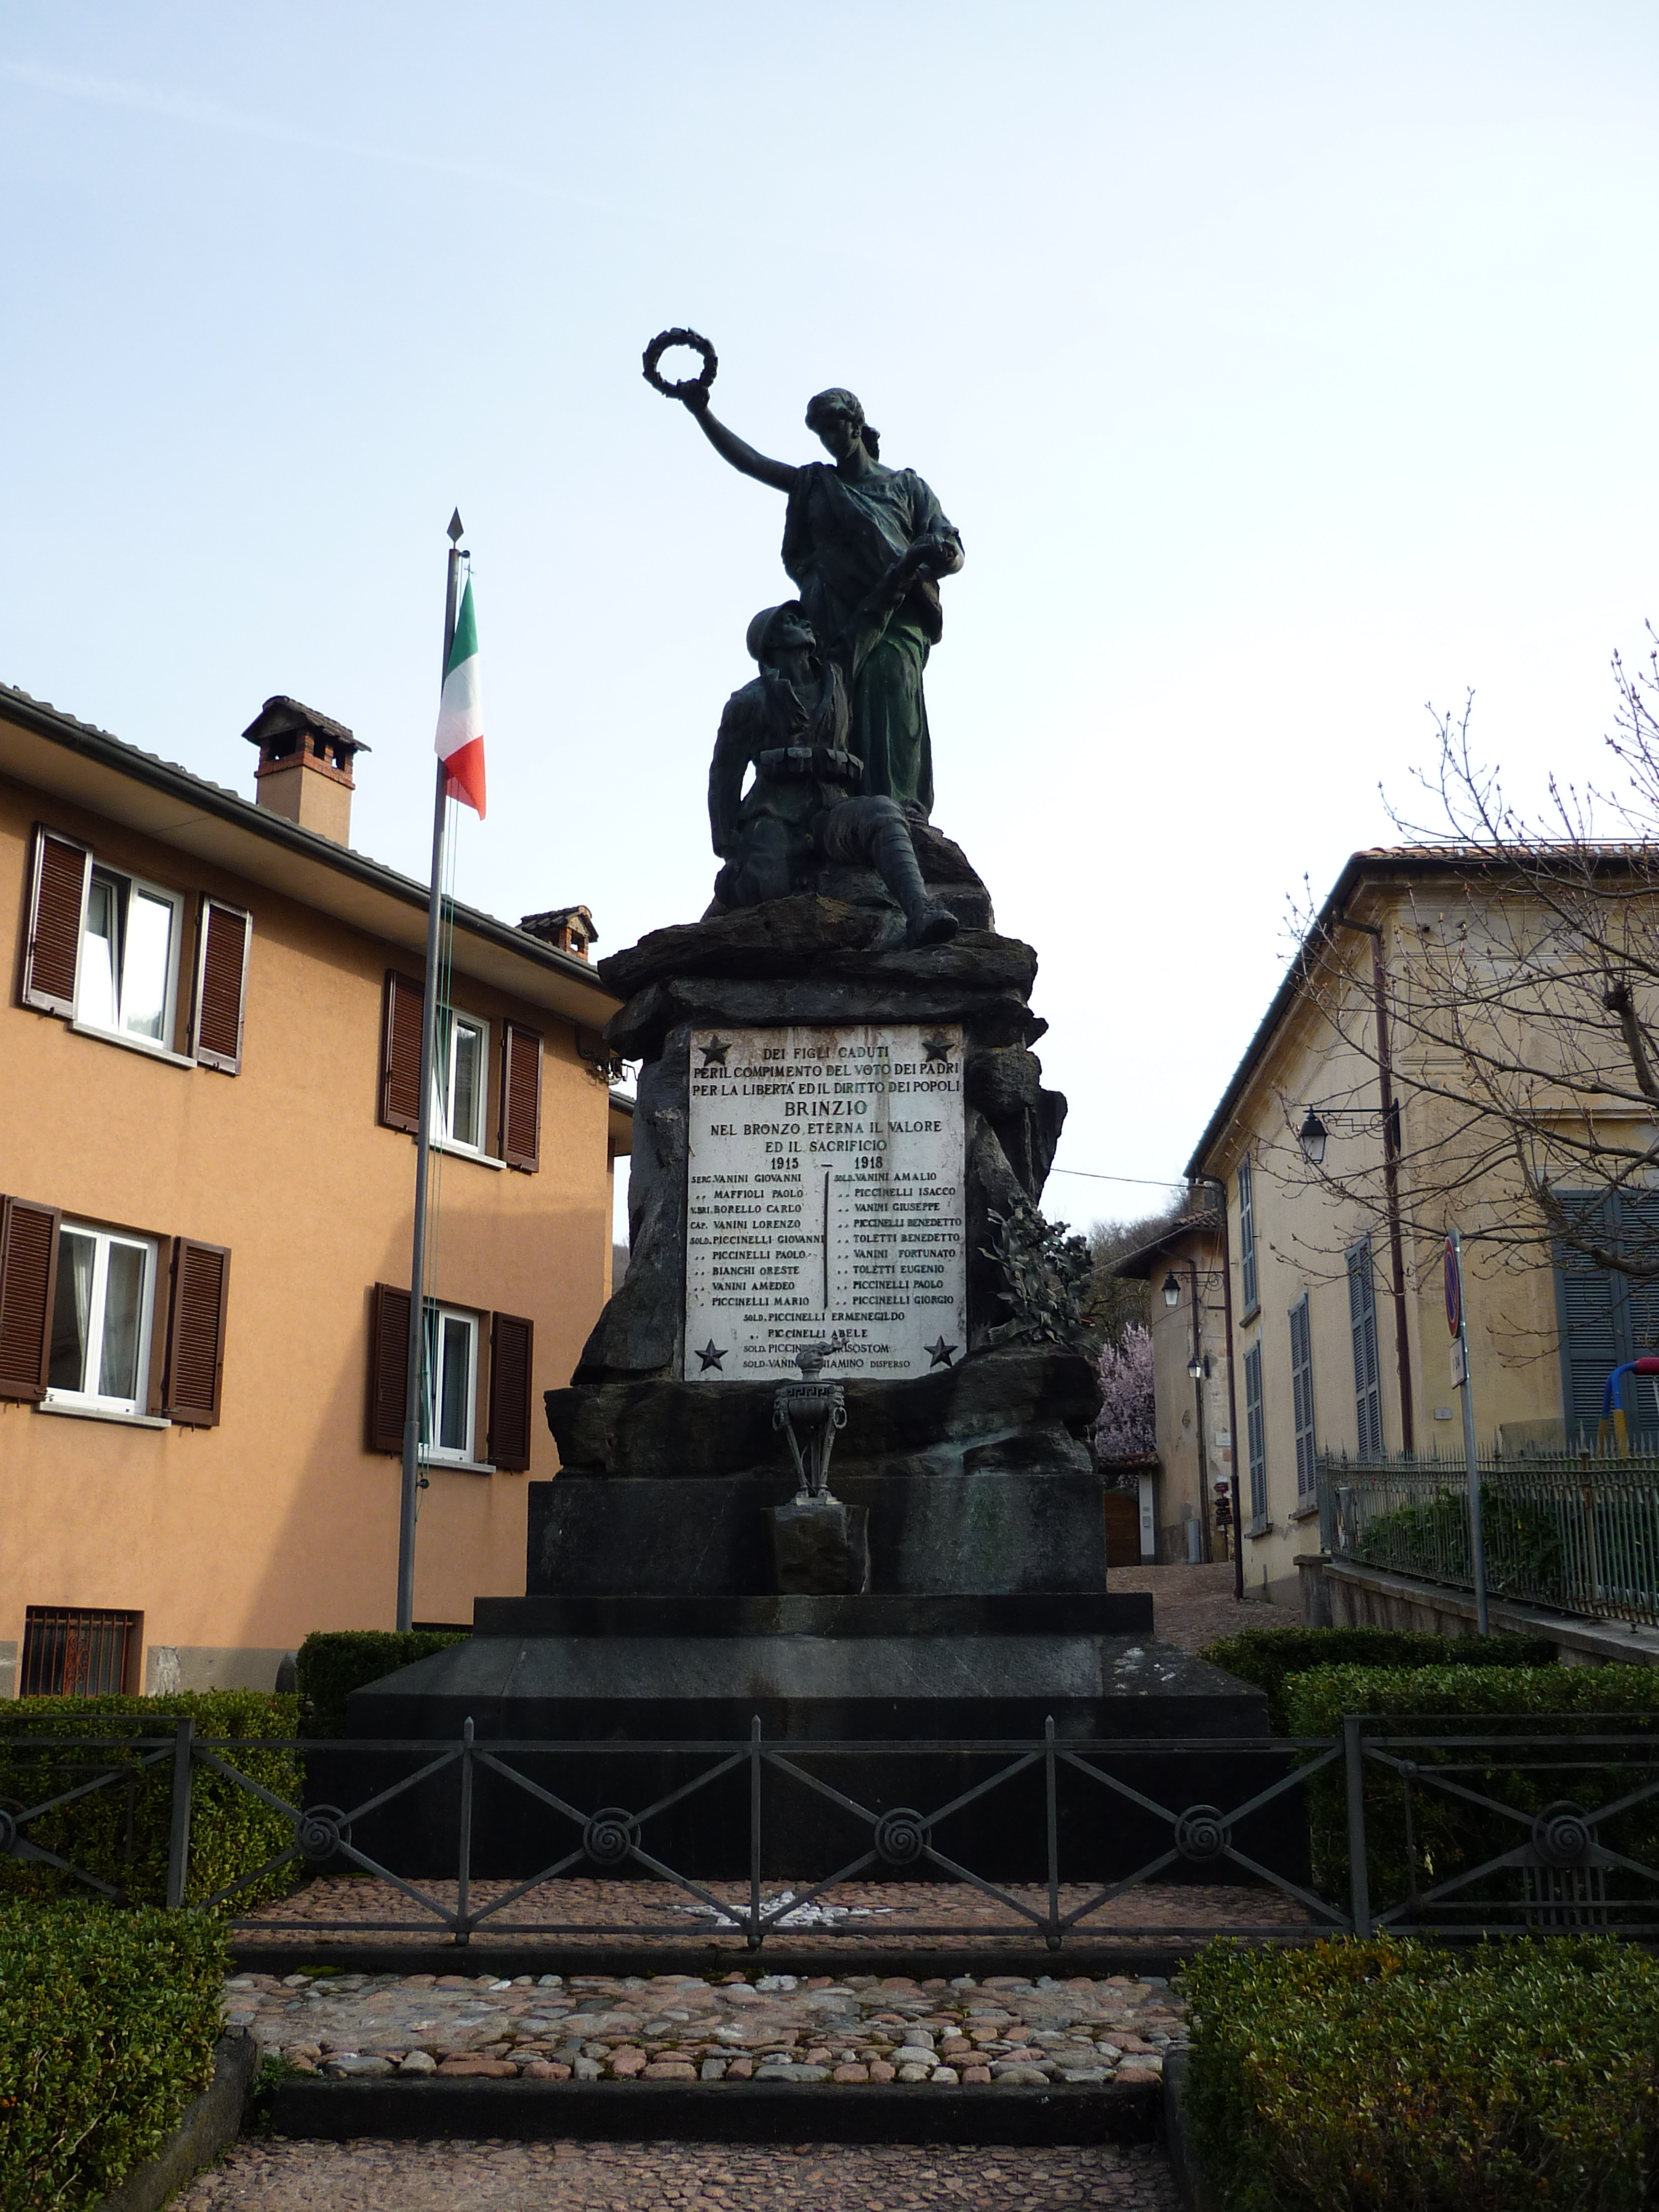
1438 1830
1574 1532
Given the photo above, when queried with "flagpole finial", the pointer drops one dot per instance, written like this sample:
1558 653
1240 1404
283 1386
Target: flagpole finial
455 527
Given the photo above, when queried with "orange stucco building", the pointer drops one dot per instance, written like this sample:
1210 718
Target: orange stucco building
206 1174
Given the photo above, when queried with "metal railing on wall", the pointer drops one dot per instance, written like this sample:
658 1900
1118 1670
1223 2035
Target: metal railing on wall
1429 1830
1574 1532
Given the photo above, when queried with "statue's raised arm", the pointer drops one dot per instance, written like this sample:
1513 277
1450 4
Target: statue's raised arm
731 447
866 546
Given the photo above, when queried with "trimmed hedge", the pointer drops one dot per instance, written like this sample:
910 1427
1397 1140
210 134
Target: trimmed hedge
1392 2076
1269 1656
1451 1836
107 2023
120 1833
333 1663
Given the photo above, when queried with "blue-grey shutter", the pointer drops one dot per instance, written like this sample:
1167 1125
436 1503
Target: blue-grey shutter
1302 1395
1256 1433
1362 1320
1247 1233
1606 1318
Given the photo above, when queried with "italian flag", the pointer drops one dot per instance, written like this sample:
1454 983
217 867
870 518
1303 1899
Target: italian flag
460 715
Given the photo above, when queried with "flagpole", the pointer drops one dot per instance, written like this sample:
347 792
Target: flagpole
413 1390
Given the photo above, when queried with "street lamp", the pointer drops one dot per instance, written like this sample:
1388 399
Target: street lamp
1311 1138
1172 1291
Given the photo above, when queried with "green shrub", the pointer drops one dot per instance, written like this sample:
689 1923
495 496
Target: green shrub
1268 1656
120 1833
334 1663
107 2023
1522 1539
1416 1832
1394 2077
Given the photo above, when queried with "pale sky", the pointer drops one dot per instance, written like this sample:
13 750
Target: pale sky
1284 366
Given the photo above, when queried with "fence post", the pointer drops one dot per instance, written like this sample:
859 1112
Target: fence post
1353 1761
184 1775
1052 1932
754 1833
464 1867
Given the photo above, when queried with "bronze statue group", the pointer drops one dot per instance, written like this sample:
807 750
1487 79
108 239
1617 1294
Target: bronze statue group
835 725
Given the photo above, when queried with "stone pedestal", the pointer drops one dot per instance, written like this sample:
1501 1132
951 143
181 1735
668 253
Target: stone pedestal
820 1548
953 1585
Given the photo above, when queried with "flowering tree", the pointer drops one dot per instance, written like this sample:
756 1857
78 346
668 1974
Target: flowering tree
1126 1428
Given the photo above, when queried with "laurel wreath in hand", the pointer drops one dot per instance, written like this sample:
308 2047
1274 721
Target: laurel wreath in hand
662 344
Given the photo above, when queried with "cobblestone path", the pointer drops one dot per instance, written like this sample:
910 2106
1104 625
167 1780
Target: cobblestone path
277 2176
1192 1606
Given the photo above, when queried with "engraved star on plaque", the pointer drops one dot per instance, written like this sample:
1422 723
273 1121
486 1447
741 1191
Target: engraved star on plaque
714 1053
711 1356
941 1353
936 1048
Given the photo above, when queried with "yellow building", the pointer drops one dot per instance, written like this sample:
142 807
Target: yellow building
211 1054
1336 1265
1186 1501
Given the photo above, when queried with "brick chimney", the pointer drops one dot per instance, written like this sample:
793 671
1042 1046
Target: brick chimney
305 767
566 928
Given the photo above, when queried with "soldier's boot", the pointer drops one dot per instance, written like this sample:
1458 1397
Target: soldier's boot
927 922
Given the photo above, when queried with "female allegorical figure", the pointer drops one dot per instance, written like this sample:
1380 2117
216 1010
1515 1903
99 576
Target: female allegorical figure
865 547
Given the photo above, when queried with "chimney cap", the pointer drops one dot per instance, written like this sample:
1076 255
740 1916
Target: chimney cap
281 717
558 920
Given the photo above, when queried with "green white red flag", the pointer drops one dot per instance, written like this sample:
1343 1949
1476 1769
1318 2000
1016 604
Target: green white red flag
460 715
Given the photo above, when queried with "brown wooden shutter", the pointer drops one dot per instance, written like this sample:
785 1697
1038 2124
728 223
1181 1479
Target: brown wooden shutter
196 1332
388 1368
521 1098
400 1056
222 940
512 1342
58 903
28 1280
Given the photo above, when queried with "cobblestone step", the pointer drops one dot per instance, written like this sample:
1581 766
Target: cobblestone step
748 2113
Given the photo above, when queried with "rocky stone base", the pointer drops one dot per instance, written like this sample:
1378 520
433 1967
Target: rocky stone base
1006 2031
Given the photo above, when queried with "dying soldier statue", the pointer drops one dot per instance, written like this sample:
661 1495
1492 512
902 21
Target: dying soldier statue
866 546
790 723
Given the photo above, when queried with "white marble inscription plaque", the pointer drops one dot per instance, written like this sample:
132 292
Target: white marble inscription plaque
825 1200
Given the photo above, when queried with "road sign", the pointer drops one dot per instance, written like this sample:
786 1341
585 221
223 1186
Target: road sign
1454 1288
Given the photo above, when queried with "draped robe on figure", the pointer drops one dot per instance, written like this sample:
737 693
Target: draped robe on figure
841 538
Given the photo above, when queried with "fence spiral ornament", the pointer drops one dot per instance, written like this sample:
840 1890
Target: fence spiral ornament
321 1830
901 1836
1200 1833
1563 1835
610 1835
7 1834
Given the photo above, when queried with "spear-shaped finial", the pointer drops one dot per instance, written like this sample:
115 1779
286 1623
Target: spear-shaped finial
456 526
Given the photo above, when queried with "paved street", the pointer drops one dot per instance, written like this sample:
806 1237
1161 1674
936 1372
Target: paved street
279 2176
1192 1606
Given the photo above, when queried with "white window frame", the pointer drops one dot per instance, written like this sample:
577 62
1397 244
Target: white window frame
442 1108
95 1401
432 1374
163 1044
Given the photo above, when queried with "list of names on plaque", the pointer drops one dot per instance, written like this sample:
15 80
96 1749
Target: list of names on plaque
825 1200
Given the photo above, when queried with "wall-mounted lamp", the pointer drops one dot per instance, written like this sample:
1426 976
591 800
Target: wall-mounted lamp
1311 1138
1199 1367
1172 1291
